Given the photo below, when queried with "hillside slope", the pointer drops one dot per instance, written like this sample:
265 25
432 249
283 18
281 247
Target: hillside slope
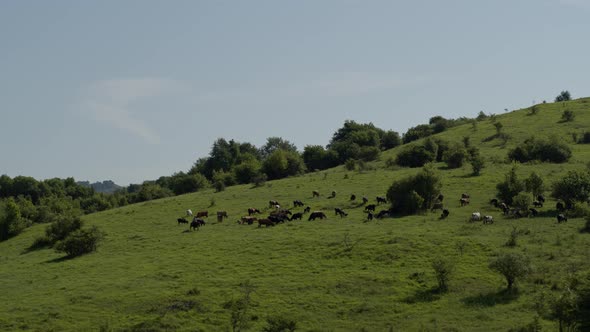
339 274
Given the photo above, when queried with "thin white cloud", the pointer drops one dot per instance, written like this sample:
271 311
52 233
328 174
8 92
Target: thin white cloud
111 102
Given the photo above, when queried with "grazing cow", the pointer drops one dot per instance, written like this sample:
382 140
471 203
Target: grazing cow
297 216
196 223
538 204
488 220
333 194
494 202
297 203
560 206
251 211
352 197
381 199
440 197
307 209
317 214
370 207
247 220
541 198
272 203
201 214
189 213
369 216
277 218
464 195
437 206
505 208
475 216
365 200
315 193
221 215
280 211
383 214
445 213
533 213
464 201
265 222
561 218
182 221
340 212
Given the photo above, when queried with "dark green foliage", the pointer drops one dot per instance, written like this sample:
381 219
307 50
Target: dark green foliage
316 157
280 324
283 163
350 164
61 228
276 143
80 242
416 133
564 309
240 316
225 178
551 150
442 147
94 203
259 180
574 187
568 116
182 183
477 161
585 138
414 193
481 116
439 124
443 268
510 187
534 184
414 156
431 145
11 223
369 153
390 139
247 170
512 266
455 156
498 126
563 96
522 201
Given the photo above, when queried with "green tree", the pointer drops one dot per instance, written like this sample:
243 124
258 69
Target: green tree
534 184
568 116
11 224
522 201
247 170
316 157
414 193
414 156
512 266
455 156
563 96
390 140
415 133
276 143
510 187
499 127
443 268
573 187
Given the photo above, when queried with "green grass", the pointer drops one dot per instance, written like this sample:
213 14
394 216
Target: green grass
340 274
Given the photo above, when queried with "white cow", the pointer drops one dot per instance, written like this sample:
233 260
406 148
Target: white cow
189 213
475 216
488 219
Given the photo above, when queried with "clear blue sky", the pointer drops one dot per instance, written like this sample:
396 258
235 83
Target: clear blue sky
133 90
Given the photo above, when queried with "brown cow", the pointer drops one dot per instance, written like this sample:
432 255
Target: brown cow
251 211
201 214
464 201
315 193
247 220
265 222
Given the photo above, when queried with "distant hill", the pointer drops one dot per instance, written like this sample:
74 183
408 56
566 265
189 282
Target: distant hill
107 186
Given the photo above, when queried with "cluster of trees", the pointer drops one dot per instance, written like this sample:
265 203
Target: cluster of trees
436 124
550 150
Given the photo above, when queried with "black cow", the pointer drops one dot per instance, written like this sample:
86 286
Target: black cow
437 206
317 214
352 197
494 202
560 206
265 222
533 212
333 194
365 200
307 209
464 201
297 216
538 204
370 216
272 203
464 195
383 214
340 212
297 203
445 214
182 221
440 197
370 207
561 218
315 193
381 199
541 198
196 223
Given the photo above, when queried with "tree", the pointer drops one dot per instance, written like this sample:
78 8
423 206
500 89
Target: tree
552 150
568 116
563 96
455 156
276 143
499 127
414 193
573 187
443 268
390 140
512 266
477 161
534 184
522 201
12 223
510 187
564 308
316 157
247 170
282 163
415 156
417 132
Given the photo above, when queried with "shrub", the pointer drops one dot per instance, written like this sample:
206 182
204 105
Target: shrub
350 164
415 156
80 242
455 156
443 268
574 187
585 138
259 180
522 201
512 266
510 187
369 153
414 193
279 324
477 161
11 224
61 228
563 96
543 150
568 116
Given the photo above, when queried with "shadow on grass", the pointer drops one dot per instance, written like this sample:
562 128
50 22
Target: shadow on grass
40 243
60 259
424 296
491 299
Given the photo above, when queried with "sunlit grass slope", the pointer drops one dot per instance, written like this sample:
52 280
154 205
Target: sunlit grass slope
339 274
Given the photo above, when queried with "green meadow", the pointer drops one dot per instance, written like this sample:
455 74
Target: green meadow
340 274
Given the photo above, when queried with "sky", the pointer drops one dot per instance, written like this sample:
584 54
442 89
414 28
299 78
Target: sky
133 90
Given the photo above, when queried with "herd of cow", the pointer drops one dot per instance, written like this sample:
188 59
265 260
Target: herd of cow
280 215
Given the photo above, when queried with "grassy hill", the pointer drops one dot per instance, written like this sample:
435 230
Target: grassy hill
339 274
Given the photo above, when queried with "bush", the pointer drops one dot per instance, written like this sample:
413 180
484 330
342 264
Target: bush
80 242
443 268
510 187
350 164
369 153
279 324
543 150
11 224
415 193
568 116
563 96
477 161
585 138
522 201
574 187
61 228
415 156
512 266
455 156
